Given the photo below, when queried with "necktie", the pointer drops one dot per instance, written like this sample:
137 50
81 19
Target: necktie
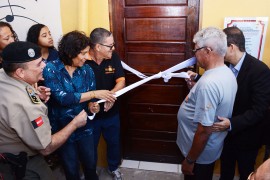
235 71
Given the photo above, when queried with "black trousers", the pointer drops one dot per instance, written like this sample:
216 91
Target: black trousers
245 159
36 168
202 172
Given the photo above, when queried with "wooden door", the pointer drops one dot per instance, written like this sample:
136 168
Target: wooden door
152 36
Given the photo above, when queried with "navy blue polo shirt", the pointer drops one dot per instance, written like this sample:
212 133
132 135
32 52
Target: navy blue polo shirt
106 75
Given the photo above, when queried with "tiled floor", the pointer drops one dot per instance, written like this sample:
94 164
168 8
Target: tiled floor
163 167
140 170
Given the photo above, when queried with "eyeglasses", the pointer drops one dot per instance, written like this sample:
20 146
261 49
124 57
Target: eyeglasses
109 46
195 50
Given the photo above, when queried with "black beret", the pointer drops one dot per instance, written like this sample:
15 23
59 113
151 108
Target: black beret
21 52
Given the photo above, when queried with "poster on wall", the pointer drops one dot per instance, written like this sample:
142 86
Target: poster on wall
254 29
22 14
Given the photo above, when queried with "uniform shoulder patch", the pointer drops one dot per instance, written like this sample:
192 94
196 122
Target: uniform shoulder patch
37 122
33 96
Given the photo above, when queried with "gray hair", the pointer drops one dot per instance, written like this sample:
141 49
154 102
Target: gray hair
98 35
213 38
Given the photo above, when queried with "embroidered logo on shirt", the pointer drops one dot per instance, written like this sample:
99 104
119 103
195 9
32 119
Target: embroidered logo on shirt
33 96
37 122
109 70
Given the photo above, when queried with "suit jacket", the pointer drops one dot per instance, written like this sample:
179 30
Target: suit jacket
250 106
266 129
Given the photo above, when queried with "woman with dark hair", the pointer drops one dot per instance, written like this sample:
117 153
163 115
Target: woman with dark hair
7 36
41 35
72 86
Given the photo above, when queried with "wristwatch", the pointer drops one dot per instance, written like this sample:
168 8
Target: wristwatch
190 161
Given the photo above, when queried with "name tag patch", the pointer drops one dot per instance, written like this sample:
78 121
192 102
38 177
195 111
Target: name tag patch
33 96
37 122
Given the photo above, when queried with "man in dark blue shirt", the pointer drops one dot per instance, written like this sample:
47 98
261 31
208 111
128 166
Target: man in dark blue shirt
109 75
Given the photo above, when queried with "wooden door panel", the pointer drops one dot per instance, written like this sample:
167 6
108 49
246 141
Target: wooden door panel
155 29
143 149
155 11
145 146
154 135
157 94
153 121
131 78
152 36
164 47
154 62
153 108
147 2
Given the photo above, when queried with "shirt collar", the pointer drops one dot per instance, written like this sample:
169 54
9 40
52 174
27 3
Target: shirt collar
239 64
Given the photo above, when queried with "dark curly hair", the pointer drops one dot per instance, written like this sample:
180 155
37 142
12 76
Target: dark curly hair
5 24
70 45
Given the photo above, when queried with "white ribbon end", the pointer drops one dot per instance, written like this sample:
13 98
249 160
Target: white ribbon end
92 117
185 75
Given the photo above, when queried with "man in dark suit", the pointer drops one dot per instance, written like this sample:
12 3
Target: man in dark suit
250 107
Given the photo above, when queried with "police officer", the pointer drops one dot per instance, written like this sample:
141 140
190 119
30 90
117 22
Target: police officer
24 125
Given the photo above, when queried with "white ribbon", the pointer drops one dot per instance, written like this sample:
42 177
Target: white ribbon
128 88
134 71
167 74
